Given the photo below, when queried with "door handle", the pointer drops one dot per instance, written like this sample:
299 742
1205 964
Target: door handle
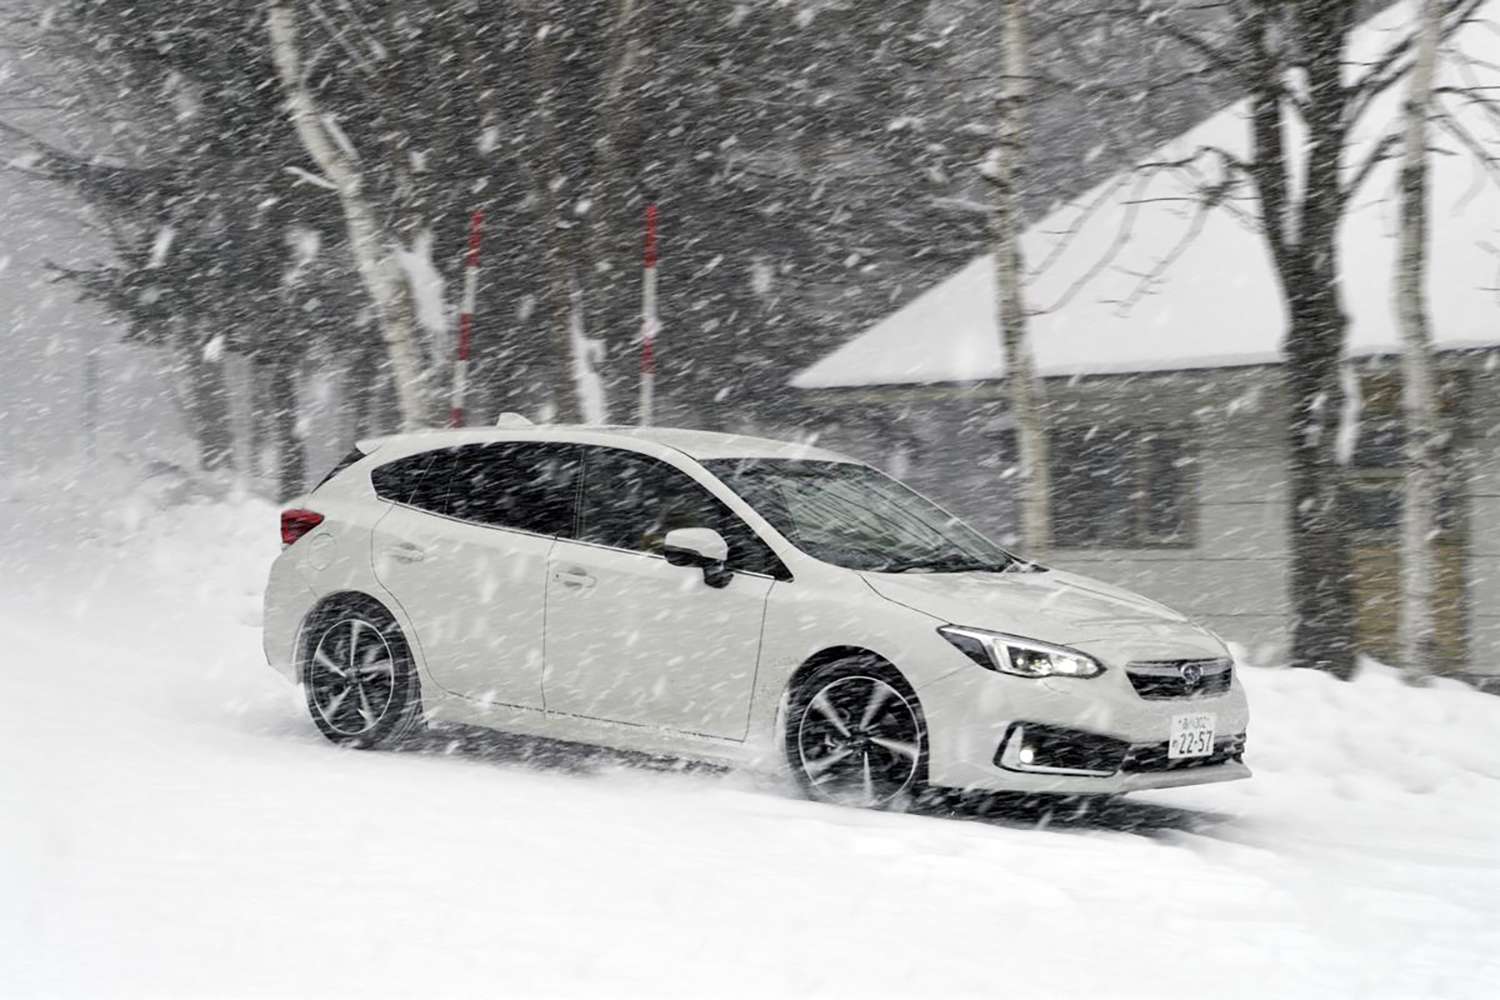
405 553
573 578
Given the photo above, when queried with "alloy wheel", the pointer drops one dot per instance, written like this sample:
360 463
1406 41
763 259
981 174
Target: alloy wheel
859 742
352 677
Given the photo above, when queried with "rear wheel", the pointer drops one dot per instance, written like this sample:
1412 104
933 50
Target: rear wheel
855 736
357 674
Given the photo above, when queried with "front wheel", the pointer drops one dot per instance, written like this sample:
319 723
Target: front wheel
855 735
358 678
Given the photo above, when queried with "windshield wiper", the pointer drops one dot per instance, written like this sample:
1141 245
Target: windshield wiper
941 565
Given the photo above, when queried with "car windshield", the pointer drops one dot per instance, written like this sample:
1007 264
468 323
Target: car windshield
853 516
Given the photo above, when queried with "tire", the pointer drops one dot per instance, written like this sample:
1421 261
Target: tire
358 678
855 735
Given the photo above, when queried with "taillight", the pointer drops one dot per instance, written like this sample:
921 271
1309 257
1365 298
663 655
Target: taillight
296 523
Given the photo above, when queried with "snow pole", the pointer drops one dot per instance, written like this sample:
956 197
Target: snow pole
649 322
466 319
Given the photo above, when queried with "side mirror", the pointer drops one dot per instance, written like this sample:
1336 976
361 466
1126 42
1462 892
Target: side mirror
699 547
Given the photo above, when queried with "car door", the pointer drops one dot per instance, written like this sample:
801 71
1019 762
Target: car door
467 559
633 639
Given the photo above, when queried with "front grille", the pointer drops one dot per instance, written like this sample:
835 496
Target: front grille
1153 756
1163 680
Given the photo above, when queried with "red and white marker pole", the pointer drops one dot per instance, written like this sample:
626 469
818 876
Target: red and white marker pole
649 321
466 319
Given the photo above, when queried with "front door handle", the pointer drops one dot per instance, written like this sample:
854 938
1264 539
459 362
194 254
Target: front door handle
574 577
406 553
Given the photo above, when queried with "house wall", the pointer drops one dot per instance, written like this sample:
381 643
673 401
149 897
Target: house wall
1232 578
949 444
1482 567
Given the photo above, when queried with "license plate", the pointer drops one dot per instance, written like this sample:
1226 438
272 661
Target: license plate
1192 735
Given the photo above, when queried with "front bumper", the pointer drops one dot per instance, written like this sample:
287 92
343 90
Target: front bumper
975 718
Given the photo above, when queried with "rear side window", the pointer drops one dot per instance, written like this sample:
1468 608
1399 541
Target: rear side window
630 501
528 486
432 492
397 481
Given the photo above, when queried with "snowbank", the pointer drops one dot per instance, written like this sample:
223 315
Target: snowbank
171 825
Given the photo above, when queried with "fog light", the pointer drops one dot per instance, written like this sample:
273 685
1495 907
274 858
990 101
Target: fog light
1043 749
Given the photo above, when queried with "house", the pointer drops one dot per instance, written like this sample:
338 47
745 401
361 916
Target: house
1158 329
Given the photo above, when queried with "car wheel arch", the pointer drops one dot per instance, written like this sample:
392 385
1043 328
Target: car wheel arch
329 604
834 654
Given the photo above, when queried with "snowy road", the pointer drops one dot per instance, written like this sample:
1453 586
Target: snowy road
171 825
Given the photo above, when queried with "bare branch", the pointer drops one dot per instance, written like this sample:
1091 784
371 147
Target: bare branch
1152 276
1105 259
1389 69
1377 156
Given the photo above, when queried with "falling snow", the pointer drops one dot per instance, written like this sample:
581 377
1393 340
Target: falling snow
238 237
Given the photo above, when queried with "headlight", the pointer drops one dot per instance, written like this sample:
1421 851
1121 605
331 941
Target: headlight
1011 654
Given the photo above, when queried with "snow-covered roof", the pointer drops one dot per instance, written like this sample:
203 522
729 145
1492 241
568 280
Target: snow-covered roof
697 444
1136 276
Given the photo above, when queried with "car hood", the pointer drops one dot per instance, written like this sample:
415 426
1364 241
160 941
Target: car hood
1052 606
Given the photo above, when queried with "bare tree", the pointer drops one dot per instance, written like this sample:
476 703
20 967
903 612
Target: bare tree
1419 551
1294 63
373 249
1003 169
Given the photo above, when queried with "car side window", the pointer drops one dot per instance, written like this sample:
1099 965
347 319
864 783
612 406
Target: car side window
397 481
528 486
431 493
630 501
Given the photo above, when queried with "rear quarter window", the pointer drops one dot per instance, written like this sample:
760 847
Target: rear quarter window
397 481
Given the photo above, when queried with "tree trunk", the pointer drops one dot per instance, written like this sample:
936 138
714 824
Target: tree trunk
561 386
361 392
372 247
1419 551
1023 387
206 397
560 237
1301 235
1321 587
607 286
215 431
290 459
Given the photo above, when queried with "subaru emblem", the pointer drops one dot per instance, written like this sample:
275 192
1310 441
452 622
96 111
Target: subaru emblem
1191 674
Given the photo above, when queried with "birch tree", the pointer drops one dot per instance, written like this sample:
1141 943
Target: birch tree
1003 170
1293 62
1419 520
371 246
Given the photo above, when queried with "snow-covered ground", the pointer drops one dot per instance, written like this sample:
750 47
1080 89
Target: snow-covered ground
171 825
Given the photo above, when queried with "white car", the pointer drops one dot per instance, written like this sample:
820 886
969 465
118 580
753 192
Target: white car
734 600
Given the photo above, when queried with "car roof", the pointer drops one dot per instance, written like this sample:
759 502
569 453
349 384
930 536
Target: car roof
701 445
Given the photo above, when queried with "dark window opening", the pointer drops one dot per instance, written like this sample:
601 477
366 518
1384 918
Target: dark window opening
397 481
630 501
522 485
1120 487
431 493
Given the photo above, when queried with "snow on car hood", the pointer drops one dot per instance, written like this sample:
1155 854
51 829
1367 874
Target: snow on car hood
1052 606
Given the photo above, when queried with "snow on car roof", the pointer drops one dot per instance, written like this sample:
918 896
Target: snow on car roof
695 443
1125 280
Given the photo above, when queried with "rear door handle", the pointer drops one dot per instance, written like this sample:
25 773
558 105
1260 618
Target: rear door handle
405 553
574 578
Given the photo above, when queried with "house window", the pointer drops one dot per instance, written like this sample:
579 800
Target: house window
1120 487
